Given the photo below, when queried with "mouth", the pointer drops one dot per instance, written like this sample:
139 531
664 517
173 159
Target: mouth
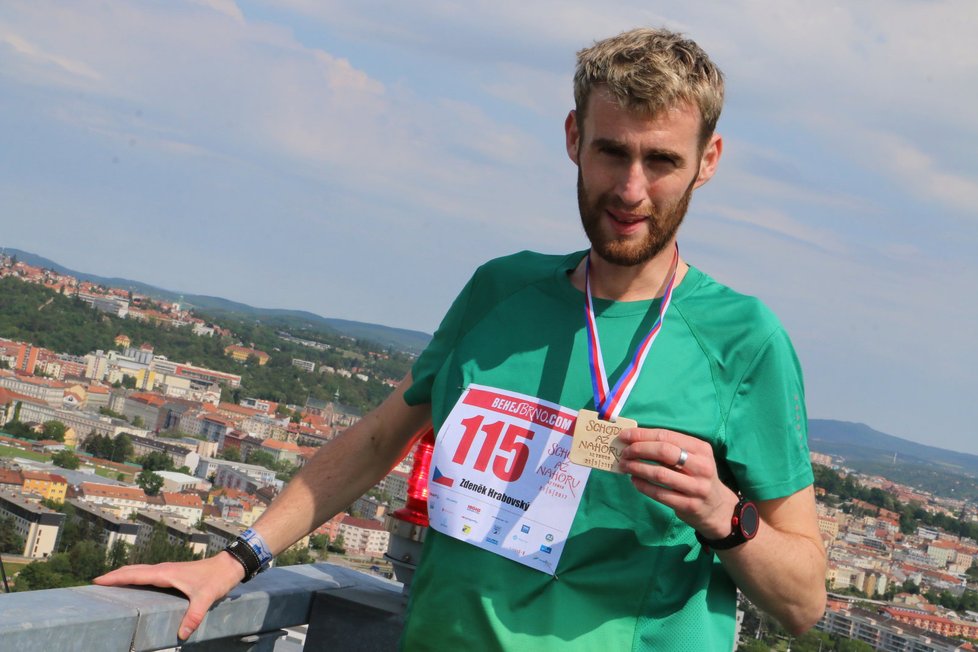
625 223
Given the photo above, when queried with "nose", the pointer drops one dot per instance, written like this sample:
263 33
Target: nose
633 185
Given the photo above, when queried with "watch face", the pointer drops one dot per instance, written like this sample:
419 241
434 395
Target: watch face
749 520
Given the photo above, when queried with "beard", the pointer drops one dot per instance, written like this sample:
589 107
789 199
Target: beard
626 251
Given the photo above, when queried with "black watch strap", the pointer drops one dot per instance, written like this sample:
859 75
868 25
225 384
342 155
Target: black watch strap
743 527
246 556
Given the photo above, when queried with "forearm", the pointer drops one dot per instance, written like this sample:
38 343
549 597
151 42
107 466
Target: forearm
782 572
342 470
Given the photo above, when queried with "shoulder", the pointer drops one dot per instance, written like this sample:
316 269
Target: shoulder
711 304
510 273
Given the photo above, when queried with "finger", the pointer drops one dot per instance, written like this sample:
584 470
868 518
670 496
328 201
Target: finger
193 617
678 458
661 476
679 502
136 574
665 436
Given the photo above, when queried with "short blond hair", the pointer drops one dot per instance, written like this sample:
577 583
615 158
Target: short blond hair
651 70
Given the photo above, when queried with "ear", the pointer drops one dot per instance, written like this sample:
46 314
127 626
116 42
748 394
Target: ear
573 136
709 160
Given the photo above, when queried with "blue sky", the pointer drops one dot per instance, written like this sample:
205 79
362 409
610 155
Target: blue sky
359 160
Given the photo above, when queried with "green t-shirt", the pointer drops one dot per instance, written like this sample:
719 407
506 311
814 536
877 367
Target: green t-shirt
632 576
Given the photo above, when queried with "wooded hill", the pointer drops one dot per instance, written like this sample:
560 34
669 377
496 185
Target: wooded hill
401 339
63 324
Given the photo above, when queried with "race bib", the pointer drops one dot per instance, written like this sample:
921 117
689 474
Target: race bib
501 479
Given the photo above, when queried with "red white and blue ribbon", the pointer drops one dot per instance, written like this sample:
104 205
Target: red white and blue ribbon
607 402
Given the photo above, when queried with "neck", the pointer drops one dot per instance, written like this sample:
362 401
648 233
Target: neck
630 283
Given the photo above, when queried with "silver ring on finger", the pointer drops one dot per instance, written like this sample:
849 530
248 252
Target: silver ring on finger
681 462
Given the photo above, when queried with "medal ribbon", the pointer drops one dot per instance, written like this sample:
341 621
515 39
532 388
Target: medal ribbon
609 403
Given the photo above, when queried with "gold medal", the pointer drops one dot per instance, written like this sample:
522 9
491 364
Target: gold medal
596 442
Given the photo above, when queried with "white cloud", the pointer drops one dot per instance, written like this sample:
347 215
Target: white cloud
37 62
779 222
921 174
227 7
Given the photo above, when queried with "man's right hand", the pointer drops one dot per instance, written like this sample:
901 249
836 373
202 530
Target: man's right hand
203 582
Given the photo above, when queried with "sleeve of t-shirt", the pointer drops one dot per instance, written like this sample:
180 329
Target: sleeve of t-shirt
431 360
767 426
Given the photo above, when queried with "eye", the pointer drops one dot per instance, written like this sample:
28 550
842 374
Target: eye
662 158
613 152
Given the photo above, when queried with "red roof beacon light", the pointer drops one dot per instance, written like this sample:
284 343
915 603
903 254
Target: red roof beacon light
416 509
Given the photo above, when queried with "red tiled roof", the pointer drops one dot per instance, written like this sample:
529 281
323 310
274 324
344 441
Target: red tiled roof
43 476
239 409
181 500
91 489
148 398
11 477
275 444
362 523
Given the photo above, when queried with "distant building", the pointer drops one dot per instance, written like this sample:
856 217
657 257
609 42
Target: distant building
20 356
108 526
39 526
305 365
49 486
178 482
243 353
364 537
176 532
124 501
221 532
282 451
104 303
50 392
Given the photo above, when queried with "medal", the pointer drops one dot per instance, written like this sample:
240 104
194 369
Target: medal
596 441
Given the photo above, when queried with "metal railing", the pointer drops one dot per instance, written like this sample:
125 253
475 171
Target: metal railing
343 608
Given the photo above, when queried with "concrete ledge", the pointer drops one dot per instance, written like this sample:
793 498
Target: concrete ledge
141 619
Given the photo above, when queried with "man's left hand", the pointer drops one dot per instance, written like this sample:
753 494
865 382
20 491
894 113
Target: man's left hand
683 476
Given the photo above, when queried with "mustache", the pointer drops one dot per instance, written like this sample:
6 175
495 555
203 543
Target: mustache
614 203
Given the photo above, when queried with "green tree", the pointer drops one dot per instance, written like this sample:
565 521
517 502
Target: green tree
150 482
20 429
337 545
159 549
973 572
294 556
118 554
156 461
54 430
100 446
138 422
122 448
318 541
87 560
39 575
10 542
261 458
230 454
66 460
812 641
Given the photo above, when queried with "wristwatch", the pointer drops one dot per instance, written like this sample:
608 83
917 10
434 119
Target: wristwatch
251 552
743 527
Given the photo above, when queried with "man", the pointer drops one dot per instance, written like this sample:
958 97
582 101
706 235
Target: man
642 553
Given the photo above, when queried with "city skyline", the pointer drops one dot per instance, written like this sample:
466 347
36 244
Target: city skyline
360 162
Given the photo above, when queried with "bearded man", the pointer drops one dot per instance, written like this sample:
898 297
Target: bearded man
621 439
